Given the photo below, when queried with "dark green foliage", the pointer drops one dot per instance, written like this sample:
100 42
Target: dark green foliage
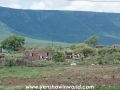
88 51
92 40
100 62
85 50
58 56
106 50
13 41
102 51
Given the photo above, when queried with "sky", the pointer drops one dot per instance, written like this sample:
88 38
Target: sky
74 5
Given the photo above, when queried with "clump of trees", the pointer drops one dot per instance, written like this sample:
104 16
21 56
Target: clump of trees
85 50
72 46
92 40
13 41
58 56
111 53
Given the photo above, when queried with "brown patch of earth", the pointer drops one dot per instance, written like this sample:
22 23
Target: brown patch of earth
74 75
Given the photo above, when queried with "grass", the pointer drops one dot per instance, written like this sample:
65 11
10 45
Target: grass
45 72
46 69
106 87
29 72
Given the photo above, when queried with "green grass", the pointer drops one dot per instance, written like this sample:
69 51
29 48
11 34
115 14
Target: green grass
54 70
28 72
13 88
106 87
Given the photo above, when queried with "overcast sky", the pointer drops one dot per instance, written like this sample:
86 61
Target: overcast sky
76 5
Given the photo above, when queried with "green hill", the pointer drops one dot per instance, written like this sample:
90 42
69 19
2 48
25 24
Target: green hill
62 26
6 31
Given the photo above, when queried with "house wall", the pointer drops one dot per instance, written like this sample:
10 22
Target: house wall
38 54
69 55
116 45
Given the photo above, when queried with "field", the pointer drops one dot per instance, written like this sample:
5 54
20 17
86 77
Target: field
102 77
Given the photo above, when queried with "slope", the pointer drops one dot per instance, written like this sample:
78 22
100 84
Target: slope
6 31
63 26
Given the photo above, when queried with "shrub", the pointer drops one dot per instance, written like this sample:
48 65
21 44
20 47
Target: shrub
116 56
58 56
100 62
9 61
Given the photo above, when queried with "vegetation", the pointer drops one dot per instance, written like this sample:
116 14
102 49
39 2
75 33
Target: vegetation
72 46
58 56
58 74
86 51
92 40
97 66
13 41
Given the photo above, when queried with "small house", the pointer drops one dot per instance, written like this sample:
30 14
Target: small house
116 45
69 55
1 56
38 54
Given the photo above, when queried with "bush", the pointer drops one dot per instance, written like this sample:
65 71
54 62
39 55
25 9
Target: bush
9 61
116 62
58 56
89 51
116 56
103 51
100 62
106 50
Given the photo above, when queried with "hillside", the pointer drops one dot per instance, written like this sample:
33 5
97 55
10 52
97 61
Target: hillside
62 26
6 31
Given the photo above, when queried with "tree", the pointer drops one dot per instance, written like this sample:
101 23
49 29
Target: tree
88 51
58 56
92 40
81 45
72 46
85 50
13 41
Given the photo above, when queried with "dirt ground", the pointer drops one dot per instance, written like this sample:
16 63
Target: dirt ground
74 75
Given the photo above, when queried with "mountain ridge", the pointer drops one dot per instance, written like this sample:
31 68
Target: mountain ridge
63 26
